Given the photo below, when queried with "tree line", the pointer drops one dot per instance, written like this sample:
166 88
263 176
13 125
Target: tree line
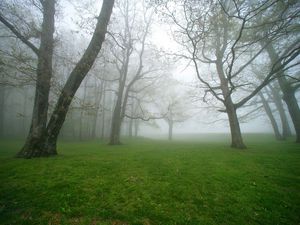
244 54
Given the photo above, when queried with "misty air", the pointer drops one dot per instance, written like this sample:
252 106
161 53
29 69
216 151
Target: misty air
123 112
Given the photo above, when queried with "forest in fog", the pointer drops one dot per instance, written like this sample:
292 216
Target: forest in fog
150 112
70 69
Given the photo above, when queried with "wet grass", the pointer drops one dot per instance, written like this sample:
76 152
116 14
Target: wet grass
153 182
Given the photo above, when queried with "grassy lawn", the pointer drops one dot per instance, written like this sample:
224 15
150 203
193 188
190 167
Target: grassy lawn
153 182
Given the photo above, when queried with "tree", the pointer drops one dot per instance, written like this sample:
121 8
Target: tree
172 104
42 139
43 73
273 96
127 46
272 119
288 89
217 33
77 75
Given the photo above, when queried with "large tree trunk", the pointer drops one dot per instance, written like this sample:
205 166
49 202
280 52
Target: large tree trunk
288 93
236 135
34 141
235 130
271 117
77 75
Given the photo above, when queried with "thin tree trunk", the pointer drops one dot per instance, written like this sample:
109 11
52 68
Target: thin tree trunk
120 104
99 95
130 125
82 110
130 128
170 136
271 117
286 130
288 93
77 75
103 111
24 122
136 127
2 110
33 145
116 122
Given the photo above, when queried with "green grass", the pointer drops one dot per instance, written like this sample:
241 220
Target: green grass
153 182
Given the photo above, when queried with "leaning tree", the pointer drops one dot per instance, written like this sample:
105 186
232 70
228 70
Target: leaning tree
42 138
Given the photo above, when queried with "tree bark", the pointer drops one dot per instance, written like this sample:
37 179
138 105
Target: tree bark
235 130
77 75
288 93
33 145
271 117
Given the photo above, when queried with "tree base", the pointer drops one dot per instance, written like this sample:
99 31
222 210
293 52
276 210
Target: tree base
238 146
36 149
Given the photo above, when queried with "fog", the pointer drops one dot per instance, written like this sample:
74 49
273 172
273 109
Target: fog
179 77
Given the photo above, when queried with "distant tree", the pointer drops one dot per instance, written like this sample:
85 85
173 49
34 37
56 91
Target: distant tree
273 93
288 86
218 33
129 53
271 117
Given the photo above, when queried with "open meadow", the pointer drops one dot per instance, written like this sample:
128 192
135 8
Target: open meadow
146 181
